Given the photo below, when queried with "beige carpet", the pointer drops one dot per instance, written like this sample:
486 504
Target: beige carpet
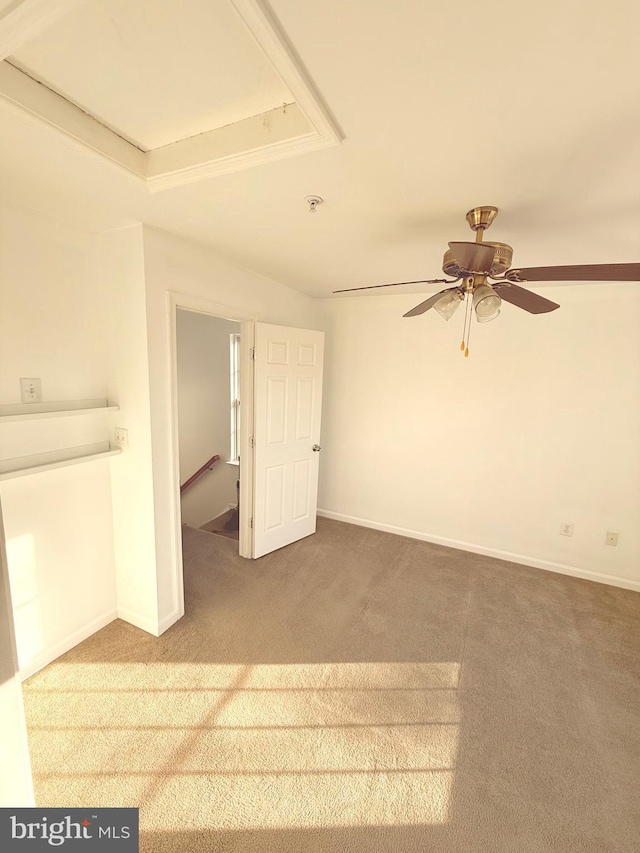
356 692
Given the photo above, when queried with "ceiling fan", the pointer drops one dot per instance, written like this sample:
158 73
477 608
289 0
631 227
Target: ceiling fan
472 264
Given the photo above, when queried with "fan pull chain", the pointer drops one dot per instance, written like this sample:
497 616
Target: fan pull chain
466 352
464 328
467 319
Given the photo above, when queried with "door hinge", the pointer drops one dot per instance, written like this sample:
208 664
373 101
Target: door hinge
252 352
252 442
251 524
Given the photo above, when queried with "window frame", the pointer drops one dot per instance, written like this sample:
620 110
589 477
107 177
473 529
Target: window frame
234 389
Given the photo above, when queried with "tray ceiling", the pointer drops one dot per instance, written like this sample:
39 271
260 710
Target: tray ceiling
154 72
172 92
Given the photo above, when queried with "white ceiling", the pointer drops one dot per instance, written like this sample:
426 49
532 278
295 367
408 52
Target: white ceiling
155 72
532 108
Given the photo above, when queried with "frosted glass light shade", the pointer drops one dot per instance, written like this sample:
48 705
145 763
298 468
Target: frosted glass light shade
486 303
448 305
487 317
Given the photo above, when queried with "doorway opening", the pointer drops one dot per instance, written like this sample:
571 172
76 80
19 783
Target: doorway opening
187 458
208 377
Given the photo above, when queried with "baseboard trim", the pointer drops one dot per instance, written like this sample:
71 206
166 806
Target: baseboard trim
212 516
138 620
221 511
168 621
523 559
50 654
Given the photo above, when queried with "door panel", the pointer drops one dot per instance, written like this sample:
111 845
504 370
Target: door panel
301 486
304 408
276 410
288 402
274 497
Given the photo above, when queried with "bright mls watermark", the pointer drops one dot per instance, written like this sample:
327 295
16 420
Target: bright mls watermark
69 829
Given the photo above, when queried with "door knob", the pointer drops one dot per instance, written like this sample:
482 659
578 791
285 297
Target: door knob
316 448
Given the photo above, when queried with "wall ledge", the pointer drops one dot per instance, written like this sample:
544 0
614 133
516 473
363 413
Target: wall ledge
533 562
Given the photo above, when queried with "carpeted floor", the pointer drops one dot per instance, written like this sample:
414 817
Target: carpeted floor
356 692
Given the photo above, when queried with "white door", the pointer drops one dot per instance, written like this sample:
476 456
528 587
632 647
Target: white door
288 399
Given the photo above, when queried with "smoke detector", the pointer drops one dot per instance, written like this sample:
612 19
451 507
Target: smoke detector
313 201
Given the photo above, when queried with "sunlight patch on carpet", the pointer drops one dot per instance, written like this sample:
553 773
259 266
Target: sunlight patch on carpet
230 747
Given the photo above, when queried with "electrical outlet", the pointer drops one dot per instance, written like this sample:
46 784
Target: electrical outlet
612 538
31 390
121 438
566 529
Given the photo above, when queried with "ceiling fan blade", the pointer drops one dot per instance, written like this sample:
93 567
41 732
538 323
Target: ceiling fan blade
473 257
428 303
523 298
398 283
580 272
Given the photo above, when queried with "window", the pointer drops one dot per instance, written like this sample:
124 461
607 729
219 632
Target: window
234 362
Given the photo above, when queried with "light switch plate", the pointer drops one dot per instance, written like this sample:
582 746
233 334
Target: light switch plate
31 390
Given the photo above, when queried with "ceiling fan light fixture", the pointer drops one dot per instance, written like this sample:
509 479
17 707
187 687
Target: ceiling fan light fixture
488 318
486 303
474 262
448 305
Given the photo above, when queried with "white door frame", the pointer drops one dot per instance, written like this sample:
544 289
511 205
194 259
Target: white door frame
247 336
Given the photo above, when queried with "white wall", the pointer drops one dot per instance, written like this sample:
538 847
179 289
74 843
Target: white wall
16 787
174 265
492 453
58 524
50 324
204 414
119 266
60 555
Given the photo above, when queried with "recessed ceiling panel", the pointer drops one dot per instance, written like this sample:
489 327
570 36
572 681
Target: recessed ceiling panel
156 71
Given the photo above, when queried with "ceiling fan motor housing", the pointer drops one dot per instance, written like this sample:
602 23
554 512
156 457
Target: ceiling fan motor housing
501 261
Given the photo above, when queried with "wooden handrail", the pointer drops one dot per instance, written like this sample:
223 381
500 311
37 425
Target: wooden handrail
207 465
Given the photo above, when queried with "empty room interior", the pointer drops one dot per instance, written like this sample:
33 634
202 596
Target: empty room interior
320 422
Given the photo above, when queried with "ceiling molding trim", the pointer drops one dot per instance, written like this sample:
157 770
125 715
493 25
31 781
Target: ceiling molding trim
32 101
273 135
267 32
234 163
286 131
28 19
